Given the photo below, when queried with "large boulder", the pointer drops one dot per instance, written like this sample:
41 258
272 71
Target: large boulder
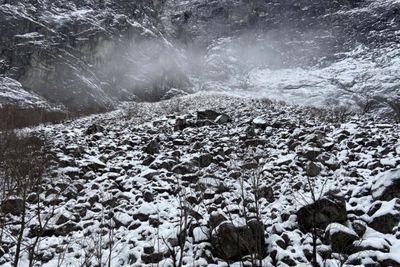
14 206
386 185
94 128
233 242
207 115
152 147
386 216
322 212
341 238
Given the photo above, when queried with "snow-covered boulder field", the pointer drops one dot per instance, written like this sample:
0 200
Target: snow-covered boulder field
212 180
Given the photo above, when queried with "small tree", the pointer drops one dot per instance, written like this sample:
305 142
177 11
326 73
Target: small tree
24 162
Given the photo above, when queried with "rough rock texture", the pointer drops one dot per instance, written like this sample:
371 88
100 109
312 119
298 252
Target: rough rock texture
387 185
14 206
232 243
85 55
104 186
341 238
322 212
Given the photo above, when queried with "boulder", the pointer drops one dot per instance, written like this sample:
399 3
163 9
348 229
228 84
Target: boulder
386 185
232 242
322 212
341 238
208 115
204 160
260 122
15 206
222 119
152 258
386 217
313 169
94 128
184 168
152 147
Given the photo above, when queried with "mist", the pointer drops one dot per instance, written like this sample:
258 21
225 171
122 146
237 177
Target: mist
149 68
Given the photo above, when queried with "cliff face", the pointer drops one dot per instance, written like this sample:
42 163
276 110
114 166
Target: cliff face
305 52
89 55
79 53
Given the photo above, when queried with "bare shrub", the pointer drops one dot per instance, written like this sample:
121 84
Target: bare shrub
16 117
332 114
177 252
394 105
25 160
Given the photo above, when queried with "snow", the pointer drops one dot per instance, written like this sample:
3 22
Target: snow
259 121
392 162
147 209
384 180
11 91
285 169
339 228
387 208
29 35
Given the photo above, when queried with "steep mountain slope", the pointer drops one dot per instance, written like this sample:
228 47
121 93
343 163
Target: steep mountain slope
305 52
89 55
85 55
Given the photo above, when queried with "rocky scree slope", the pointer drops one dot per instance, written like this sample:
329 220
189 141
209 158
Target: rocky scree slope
222 179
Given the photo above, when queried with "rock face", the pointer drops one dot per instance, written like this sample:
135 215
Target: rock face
87 56
65 51
231 242
321 213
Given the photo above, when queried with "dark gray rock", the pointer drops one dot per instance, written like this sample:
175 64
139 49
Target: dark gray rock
387 185
208 115
313 169
152 258
14 206
94 128
232 243
321 213
152 147
385 216
341 238
184 168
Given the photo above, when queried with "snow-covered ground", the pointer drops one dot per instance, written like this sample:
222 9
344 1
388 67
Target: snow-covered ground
143 170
